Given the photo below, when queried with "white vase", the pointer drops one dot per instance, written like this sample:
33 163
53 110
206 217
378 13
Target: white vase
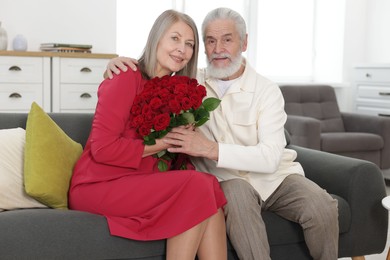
19 43
3 39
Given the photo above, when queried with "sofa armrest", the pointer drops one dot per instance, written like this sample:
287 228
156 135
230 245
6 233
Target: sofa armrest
379 125
304 131
360 183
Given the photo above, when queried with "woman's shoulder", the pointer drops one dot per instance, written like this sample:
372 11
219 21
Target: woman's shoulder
128 75
122 82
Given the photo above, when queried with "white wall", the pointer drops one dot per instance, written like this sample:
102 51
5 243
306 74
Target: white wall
65 21
378 31
366 40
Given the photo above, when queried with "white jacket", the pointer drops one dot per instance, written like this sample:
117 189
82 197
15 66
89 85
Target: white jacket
249 128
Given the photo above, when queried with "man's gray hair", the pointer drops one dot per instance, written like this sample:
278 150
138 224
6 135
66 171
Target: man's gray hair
225 13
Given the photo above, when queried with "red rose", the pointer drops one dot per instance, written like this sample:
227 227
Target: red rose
144 131
138 121
161 122
174 106
196 101
155 103
185 103
201 90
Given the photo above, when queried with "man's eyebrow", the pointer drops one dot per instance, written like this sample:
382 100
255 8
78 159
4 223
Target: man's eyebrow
225 35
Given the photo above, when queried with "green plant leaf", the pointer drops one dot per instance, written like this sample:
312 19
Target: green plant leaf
161 134
181 120
202 121
211 103
162 166
201 113
149 140
161 153
189 117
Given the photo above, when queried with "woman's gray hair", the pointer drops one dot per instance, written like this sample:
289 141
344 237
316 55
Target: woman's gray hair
225 13
148 60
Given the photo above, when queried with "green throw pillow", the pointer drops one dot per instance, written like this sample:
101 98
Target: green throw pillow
49 158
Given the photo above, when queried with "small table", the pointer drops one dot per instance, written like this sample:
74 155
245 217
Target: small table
386 204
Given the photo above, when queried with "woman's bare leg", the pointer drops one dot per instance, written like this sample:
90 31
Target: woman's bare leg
213 244
185 245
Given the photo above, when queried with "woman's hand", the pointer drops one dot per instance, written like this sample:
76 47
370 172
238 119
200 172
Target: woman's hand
118 64
192 142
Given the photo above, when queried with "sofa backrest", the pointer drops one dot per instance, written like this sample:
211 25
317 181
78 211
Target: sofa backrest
315 101
76 125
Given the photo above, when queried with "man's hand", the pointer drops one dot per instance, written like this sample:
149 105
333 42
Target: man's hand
118 64
193 143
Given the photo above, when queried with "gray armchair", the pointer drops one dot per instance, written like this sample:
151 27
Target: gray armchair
315 121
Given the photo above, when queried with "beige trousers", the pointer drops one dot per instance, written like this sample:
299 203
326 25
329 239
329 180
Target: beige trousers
297 199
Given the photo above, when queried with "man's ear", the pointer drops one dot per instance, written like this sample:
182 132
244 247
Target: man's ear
245 43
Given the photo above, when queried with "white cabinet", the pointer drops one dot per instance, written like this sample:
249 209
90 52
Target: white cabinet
75 83
58 82
22 81
373 89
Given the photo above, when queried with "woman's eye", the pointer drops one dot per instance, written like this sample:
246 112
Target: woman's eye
175 38
189 44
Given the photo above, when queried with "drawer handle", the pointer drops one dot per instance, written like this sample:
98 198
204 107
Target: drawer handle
15 68
384 93
368 75
86 69
384 115
15 95
85 95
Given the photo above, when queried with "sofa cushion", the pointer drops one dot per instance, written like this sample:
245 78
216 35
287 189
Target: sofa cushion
12 194
50 156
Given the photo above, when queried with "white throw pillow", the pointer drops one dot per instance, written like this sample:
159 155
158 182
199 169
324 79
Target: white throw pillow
12 193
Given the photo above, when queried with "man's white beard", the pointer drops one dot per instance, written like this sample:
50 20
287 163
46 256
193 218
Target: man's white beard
224 72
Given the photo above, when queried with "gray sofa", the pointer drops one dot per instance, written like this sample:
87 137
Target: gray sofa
67 234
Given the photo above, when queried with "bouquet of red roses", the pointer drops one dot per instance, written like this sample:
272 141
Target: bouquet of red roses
166 103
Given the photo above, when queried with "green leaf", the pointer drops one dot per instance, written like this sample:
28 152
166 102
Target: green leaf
161 134
162 166
149 140
181 120
189 117
211 103
200 113
161 153
202 121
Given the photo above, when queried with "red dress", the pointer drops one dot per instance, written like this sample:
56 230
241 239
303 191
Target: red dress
112 179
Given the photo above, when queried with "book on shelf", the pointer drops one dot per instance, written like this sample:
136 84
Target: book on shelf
66 45
66 49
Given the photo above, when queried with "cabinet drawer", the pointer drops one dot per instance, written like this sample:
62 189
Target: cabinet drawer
78 97
74 70
372 74
374 92
373 111
19 97
21 69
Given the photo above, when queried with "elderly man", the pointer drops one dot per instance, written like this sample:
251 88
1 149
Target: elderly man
243 144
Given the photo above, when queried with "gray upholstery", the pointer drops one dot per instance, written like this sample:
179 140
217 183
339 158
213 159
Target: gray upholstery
66 234
315 121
